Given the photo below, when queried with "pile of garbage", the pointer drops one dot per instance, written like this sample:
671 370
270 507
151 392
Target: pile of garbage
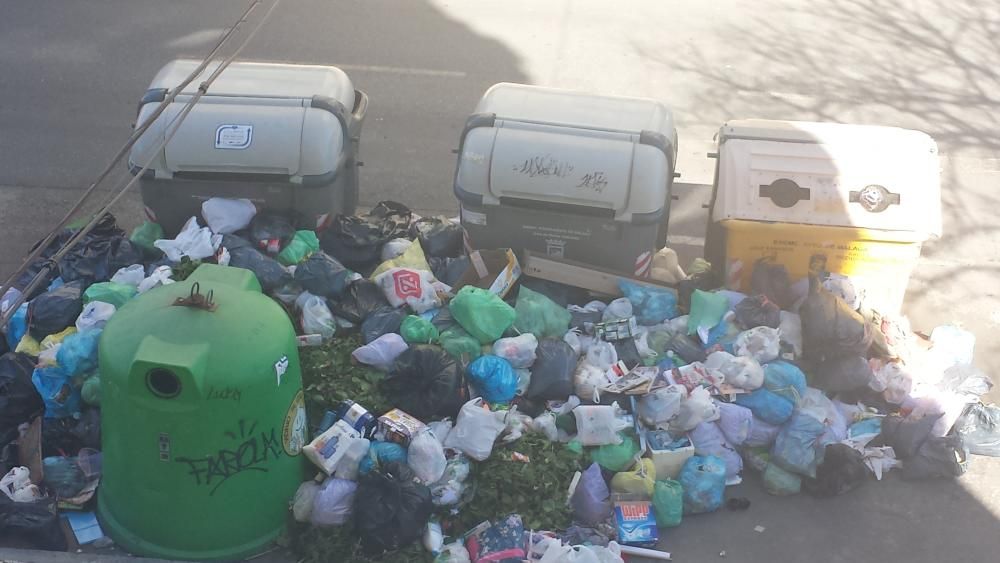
650 403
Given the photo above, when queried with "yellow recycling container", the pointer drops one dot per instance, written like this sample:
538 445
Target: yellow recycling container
827 198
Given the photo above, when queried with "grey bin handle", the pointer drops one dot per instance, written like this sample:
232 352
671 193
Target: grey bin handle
785 193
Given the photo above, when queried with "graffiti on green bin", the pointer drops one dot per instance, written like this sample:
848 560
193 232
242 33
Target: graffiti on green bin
252 452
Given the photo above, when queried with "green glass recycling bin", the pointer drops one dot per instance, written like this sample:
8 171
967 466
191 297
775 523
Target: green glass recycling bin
203 419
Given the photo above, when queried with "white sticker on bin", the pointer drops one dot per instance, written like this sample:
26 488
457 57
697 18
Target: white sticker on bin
474 217
233 137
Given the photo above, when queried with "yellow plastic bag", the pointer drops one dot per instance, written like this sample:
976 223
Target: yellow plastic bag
413 258
29 346
640 480
51 340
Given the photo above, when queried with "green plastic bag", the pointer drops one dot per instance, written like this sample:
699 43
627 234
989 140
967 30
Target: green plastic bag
459 344
781 483
484 315
109 292
616 457
707 310
540 315
91 390
418 330
668 503
145 235
302 245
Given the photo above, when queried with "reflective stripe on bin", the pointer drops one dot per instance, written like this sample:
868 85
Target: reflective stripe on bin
150 214
643 264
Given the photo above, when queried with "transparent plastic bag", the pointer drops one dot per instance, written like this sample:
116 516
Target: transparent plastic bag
316 316
698 407
658 408
598 425
586 380
425 456
518 350
740 371
333 503
761 343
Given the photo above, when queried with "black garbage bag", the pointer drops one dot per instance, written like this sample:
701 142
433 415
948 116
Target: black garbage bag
242 254
830 327
270 232
905 436
938 457
19 400
845 373
628 352
35 268
58 438
88 429
391 508
36 522
979 427
55 310
449 270
96 259
360 299
443 320
322 275
439 237
757 311
357 240
552 372
381 321
584 321
426 382
705 281
9 457
843 469
772 281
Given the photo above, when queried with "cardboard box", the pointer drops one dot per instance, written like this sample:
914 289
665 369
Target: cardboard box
327 449
399 427
578 274
668 463
635 523
494 270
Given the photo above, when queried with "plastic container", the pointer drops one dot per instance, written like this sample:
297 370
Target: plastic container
283 136
202 419
668 463
823 197
569 174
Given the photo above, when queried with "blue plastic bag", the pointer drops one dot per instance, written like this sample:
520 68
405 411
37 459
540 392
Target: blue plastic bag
651 305
61 398
494 378
17 326
381 453
767 406
797 448
704 483
865 427
78 353
785 379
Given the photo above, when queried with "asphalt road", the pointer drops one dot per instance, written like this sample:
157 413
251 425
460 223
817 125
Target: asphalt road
71 73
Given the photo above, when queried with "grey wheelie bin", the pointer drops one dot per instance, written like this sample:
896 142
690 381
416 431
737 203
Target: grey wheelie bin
578 176
284 136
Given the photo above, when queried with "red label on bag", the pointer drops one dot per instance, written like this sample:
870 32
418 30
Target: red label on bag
406 284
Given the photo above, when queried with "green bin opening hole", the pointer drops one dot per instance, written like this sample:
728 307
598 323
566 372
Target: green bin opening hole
163 383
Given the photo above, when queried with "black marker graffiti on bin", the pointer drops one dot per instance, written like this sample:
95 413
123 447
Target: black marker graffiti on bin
251 454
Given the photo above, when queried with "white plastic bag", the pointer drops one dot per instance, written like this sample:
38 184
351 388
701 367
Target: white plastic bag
316 316
586 380
573 339
761 343
618 309
130 275
475 430
347 467
598 425
602 355
698 407
395 248
333 503
518 350
302 502
791 331
817 405
740 371
382 352
226 216
17 485
193 241
94 315
545 424
897 381
454 552
440 429
660 406
523 381
406 286
162 275
425 456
